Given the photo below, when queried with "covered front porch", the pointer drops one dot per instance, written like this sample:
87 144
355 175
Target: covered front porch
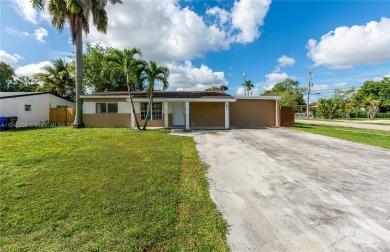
185 114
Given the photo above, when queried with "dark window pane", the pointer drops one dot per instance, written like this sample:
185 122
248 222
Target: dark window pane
157 110
100 108
144 109
112 107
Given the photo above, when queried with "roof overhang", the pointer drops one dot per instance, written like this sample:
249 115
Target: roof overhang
230 99
274 98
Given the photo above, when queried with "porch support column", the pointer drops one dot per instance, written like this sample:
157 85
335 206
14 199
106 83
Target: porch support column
187 115
277 114
132 117
227 115
165 114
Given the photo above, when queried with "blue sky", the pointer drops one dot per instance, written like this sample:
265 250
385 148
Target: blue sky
206 43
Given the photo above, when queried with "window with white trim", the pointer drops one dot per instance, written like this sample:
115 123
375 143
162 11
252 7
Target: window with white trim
27 107
106 107
155 113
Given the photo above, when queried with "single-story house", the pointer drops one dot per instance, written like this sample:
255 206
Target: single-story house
181 109
31 108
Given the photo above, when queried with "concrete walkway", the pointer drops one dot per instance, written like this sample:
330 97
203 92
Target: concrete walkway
285 190
346 124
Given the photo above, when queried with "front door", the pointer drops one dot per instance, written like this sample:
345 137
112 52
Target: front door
178 113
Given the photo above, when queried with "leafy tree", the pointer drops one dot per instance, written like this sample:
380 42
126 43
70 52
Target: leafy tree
374 90
337 104
212 89
56 78
7 74
314 111
97 74
327 107
77 14
373 108
154 73
124 62
290 92
23 84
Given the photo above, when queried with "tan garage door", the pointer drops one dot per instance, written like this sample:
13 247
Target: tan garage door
252 113
207 114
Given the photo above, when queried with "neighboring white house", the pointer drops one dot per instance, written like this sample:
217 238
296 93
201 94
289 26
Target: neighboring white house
31 107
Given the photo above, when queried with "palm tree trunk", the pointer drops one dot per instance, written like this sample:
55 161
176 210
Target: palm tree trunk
78 121
148 111
132 102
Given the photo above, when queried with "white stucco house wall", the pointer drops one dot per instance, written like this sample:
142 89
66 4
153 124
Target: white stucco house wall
31 107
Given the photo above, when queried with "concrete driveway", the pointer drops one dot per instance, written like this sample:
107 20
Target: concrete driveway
286 190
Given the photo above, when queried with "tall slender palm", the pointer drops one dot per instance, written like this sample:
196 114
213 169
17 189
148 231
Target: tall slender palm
77 14
56 77
154 73
248 86
126 63
243 84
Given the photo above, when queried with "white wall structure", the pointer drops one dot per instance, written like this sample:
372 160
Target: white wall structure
30 107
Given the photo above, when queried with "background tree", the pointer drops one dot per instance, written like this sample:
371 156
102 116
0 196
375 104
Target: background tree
154 73
337 105
7 74
327 107
24 84
290 92
373 108
77 14
248 86
212 89
124 62
374 90
97 75
56 78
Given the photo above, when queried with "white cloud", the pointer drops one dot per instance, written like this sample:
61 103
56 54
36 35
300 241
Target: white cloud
341 84
380 78
188 77
44 15
222 15
348 46
11 59
167 32
13 31
285 61
31 69
275 77
320 87
247 17
25 10
255 91
40 34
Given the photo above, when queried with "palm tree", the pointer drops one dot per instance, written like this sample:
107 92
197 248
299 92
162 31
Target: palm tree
56 77
248 86
154 73
125 62
77 14
243 84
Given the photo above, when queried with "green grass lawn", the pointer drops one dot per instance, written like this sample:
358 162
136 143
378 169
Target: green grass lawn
366 136
64 189
351 120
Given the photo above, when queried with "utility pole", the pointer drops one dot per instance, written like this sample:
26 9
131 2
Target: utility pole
310 84
244 84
